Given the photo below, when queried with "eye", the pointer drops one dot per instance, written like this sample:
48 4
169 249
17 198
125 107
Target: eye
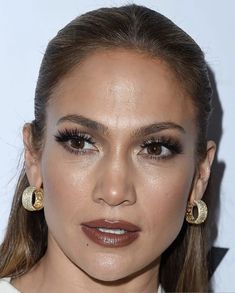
157 149
76 141
79 143
161 148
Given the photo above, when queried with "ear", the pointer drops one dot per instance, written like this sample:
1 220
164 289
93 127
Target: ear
32 164
203 172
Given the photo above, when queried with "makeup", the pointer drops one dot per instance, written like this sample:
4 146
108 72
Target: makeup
156 148
162 147
110 233
75 141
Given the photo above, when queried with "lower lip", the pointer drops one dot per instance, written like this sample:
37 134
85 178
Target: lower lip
108 239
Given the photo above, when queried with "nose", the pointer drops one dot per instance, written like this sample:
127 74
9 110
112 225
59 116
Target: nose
114 186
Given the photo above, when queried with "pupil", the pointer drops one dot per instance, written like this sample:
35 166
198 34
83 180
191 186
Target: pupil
77 143
154 148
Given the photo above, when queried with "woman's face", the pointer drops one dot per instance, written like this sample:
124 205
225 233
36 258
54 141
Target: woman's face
118 163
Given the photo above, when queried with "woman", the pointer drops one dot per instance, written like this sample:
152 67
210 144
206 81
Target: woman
116 161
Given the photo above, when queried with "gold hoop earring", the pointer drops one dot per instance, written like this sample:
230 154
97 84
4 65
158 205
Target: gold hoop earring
202 212
32 199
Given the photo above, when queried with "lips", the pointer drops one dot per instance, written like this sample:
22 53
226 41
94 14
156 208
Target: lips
110 233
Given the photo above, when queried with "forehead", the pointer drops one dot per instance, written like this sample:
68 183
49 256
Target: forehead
123 87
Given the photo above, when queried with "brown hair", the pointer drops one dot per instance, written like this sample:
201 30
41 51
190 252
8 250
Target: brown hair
183 265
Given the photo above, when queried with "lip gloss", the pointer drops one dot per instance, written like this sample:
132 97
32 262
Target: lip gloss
111 233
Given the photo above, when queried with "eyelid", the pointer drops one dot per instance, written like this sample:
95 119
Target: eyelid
74 132
162 139
66 136
172 144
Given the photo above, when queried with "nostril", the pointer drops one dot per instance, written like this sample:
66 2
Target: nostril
113 203
116 198
114 188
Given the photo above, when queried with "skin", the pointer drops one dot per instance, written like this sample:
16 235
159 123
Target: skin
116 178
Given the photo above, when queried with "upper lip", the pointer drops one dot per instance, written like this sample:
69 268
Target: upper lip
112 224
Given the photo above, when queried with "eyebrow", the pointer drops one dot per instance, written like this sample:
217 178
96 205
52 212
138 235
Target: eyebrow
101 128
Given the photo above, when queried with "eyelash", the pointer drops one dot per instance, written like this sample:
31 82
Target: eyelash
64 136
172 145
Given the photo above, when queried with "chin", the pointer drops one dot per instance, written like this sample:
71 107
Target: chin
110 269
116 270
111 277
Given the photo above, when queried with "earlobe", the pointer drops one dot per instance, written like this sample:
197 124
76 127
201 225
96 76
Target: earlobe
203 173
32 164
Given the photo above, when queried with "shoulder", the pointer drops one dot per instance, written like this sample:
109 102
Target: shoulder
6 287
160 289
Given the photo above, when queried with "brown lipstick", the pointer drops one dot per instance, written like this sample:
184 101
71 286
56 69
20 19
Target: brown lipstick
110 233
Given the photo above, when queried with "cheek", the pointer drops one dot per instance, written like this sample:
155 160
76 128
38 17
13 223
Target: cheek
165 202
66 186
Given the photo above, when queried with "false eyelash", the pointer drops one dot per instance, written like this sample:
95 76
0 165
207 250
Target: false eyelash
67 134
172 144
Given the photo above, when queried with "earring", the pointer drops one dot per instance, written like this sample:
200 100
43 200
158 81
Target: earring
32 199
202 212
